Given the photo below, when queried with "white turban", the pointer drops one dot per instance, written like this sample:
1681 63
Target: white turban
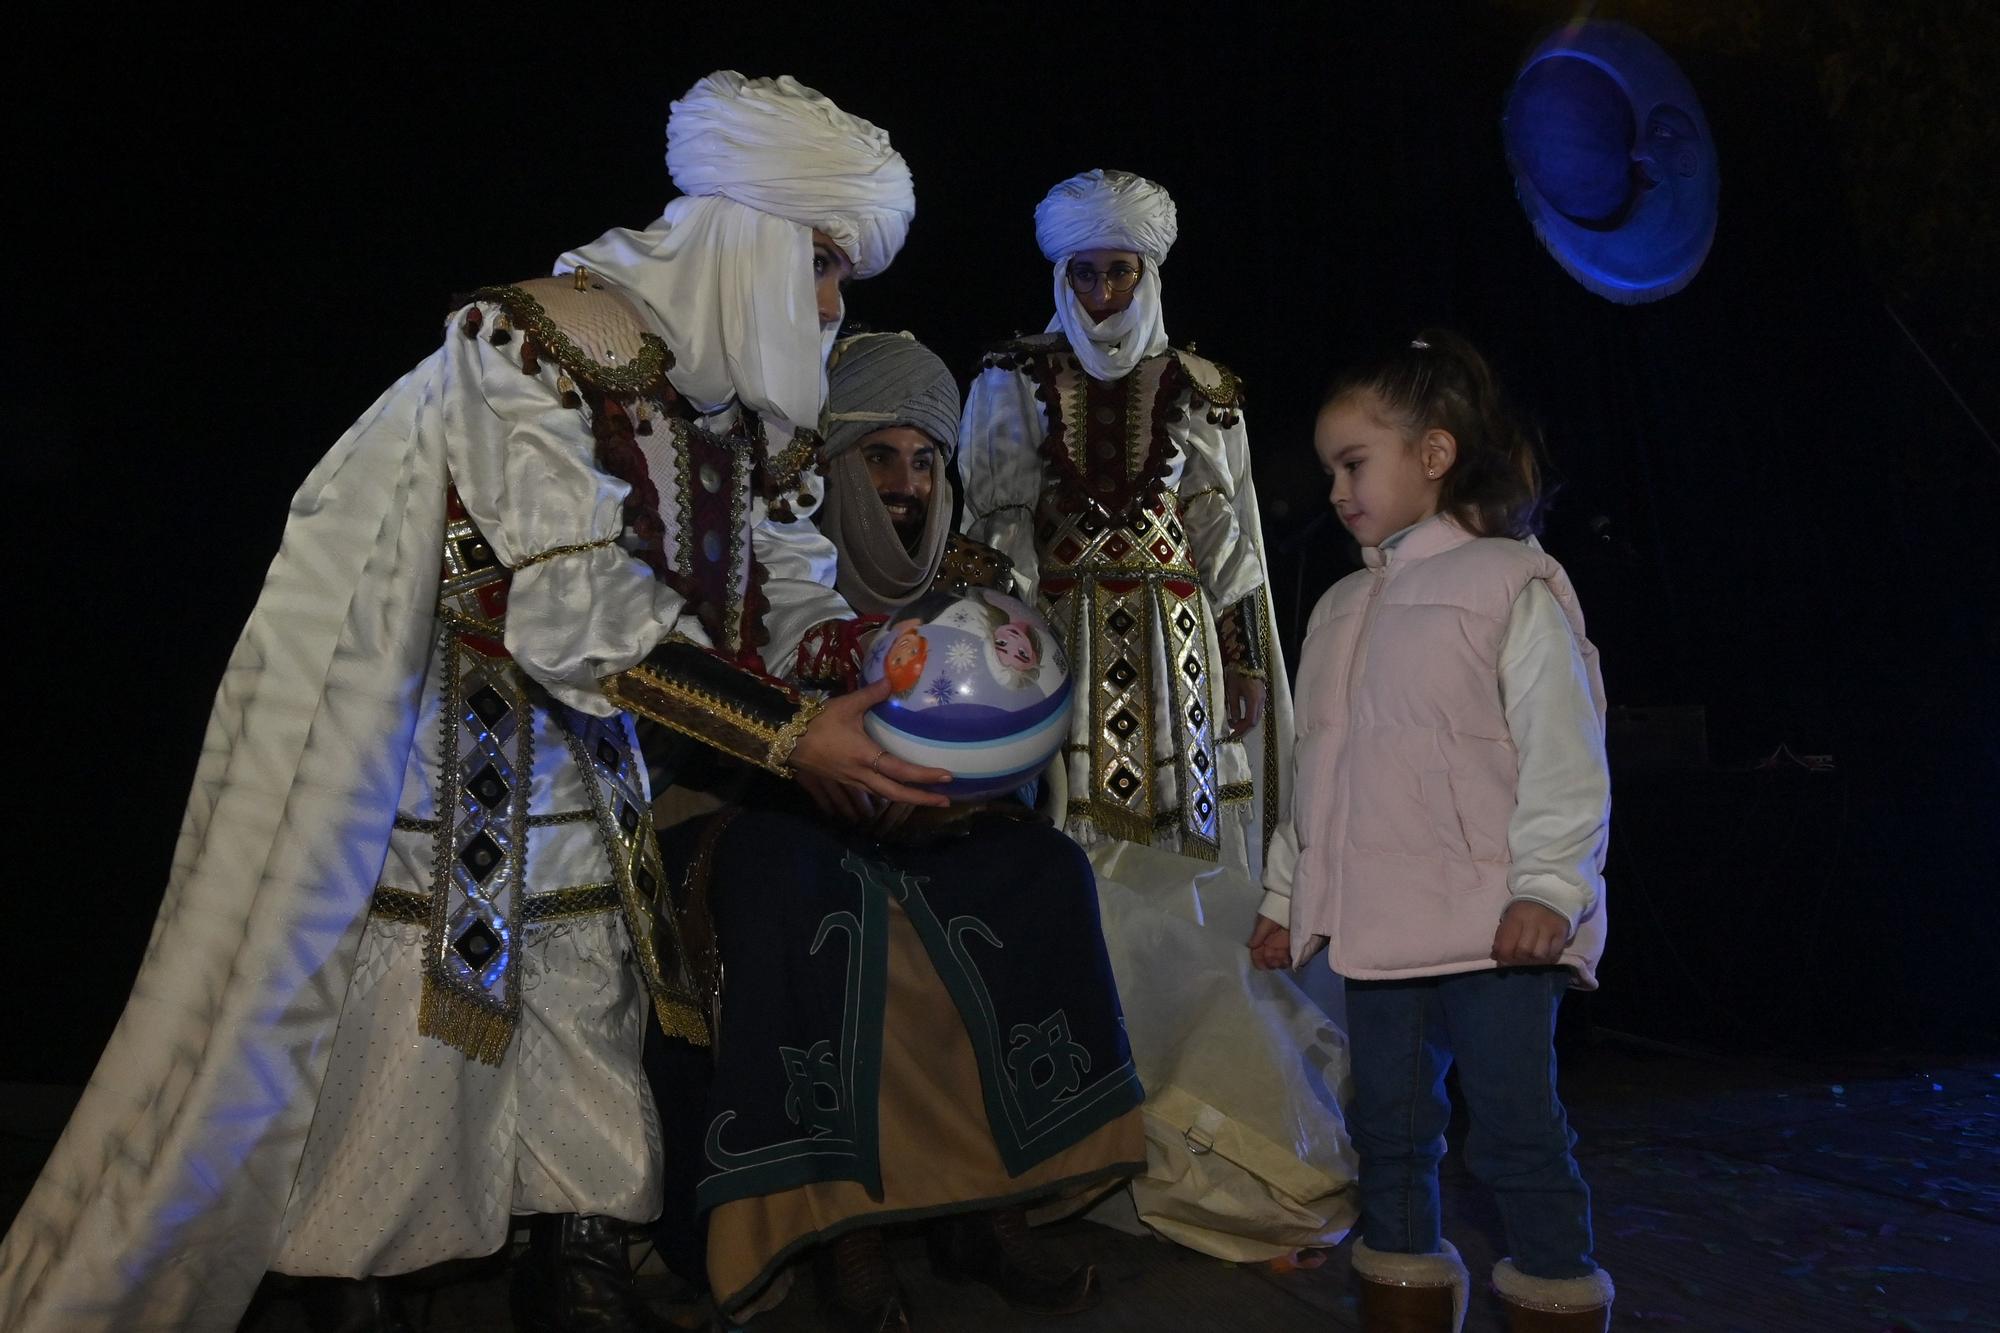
727 268
1106 210
1109 210
777 146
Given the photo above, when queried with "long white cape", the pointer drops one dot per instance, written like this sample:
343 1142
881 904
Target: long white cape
162 1202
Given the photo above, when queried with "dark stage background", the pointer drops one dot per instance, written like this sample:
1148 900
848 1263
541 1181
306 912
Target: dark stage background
1771 504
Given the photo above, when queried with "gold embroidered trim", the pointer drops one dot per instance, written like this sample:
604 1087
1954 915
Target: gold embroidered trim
787 739
1201 494
473 625
782 472
401 905
459 1011
709 717
561 817
582 900
412 824
1272 774
413 908
450 1017
1115 821
1225 391
558 552
645 374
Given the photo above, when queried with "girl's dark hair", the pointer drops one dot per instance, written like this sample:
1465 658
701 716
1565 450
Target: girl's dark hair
1439 381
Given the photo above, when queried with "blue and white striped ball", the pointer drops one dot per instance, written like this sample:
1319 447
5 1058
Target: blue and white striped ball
981 689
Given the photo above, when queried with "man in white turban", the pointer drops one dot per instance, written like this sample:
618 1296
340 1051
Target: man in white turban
1114 470
1134 456
415 926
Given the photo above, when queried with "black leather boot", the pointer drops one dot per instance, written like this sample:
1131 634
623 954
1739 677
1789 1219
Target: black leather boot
995 1248
576 1277
858 1291
350 1305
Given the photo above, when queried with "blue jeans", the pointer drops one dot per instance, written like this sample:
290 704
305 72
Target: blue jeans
1500 1027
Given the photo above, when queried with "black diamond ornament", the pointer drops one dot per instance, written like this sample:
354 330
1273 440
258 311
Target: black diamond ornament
644 879
1199 716
1124 724
1122 673
1192 670
474 553
480 857
1123 783
1204 808
1200 761
489 787
628 819
607 755
1185 620
1120 622
476 944
488 706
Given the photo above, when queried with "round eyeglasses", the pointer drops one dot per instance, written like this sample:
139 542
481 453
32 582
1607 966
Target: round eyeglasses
1118 279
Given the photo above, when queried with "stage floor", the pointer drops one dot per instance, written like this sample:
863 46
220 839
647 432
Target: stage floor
1731 1194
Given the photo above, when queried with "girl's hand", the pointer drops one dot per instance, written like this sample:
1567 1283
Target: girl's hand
1270 946
835 747
1242 701
1530 935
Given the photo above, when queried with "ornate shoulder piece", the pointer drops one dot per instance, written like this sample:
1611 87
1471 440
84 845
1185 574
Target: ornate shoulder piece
780 471
1017 352
1211 379
699 693
971 564
594 332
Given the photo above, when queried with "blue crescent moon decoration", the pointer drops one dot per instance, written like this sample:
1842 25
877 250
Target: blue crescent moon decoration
1613 161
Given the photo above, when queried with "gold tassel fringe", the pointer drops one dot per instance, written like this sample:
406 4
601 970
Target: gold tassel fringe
680 1018
465 1026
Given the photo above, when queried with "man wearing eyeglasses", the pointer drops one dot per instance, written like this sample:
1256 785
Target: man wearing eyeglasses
1114 471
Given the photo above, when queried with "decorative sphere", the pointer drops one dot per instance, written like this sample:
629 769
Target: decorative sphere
980 687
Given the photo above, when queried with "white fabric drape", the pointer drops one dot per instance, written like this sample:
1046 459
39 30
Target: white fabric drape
733 289
1110 349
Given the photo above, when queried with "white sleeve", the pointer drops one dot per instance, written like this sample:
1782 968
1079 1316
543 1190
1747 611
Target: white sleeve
1281 864
1562 813
1000 465
1216 497
580 608
800 563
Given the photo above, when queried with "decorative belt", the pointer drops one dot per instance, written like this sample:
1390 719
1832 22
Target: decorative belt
414 908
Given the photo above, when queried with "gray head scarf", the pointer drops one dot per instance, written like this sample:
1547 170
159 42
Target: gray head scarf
874 381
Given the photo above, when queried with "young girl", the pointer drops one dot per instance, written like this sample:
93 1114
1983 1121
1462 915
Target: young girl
1450 812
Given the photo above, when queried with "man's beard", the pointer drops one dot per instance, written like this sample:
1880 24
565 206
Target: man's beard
908 520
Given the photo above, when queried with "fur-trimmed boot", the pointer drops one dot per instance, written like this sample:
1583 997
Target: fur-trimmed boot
1554 1304
1411 1293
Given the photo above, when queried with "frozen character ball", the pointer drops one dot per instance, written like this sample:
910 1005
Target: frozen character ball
978 686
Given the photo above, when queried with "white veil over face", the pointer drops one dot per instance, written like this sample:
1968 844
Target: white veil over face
728 266
1109 210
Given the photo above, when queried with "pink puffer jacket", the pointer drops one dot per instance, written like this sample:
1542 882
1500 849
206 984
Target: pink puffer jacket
1406 771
